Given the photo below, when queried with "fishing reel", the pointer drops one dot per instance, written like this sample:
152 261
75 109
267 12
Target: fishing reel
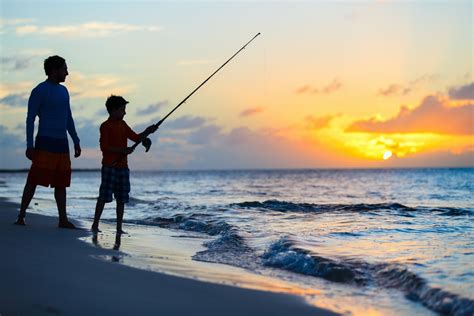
147 144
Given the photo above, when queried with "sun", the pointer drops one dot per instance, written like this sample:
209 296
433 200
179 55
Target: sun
387 154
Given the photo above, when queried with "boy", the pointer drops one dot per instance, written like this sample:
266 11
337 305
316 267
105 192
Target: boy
115 173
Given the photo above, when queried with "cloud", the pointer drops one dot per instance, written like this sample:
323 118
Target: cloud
8 139
15 95
152 108
15 100
251 111
23 59
303 89
26 29
397 89
316 123
88 29
205 135
465 92
23 88
6 23
88 132
96 86
332 87
433 115
186 122
394 89
329 88
16 62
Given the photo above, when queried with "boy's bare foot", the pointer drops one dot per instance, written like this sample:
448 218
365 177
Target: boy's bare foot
20 221
66 225
121 232
95 229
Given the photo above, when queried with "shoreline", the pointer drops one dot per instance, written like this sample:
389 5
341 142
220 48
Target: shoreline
47 270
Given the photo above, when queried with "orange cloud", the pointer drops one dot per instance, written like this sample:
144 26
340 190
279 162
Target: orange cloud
327 89
251 111
316 123
434 115
396 89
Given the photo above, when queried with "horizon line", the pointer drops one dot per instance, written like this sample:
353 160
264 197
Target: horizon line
24 170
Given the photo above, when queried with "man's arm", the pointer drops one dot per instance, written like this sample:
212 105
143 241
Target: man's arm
34 103
71 128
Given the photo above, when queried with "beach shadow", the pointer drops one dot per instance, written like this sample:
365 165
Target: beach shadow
116 247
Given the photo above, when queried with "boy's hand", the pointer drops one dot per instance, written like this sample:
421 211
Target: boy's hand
129 150
151 129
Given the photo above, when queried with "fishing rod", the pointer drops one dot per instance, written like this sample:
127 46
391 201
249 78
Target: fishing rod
147 145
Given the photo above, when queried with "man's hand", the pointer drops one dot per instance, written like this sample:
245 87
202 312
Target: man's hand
77 150
151 129
29 153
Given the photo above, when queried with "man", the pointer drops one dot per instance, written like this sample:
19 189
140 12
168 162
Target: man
51 165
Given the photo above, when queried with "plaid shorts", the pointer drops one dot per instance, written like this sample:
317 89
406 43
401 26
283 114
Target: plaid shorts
116 181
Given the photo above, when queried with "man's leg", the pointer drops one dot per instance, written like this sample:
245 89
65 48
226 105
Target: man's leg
120 209
60 196
28 193
99 207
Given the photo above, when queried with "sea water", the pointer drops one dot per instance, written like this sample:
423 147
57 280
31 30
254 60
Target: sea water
385 241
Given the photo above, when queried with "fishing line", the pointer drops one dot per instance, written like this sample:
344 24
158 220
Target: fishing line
147 144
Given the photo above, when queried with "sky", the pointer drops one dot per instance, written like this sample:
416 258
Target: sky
327 84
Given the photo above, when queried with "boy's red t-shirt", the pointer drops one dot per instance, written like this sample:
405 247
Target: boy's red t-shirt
115 133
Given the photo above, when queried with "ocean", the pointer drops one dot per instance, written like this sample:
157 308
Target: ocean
378 241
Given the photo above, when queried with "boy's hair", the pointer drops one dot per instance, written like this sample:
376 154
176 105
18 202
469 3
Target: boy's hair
114 102
52 63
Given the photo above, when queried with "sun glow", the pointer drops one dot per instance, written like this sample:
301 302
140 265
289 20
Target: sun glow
387 155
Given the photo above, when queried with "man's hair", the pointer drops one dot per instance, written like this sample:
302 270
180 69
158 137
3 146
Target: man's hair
114 102
52 63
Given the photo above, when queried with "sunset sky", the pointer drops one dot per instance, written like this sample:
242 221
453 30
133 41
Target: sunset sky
328 84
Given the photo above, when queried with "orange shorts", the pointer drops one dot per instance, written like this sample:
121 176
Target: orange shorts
50 169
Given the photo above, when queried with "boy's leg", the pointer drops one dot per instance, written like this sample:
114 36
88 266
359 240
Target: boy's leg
99 207
120 210
60 197
28 193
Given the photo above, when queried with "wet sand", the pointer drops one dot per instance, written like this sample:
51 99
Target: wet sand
50 271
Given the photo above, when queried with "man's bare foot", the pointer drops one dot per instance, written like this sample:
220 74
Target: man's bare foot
66 225
121 232
95 229
20 221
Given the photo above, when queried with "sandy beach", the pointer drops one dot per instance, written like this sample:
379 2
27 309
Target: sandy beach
50 271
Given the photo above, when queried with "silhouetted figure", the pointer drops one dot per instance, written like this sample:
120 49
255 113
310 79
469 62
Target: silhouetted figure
51 165
118 241
115 174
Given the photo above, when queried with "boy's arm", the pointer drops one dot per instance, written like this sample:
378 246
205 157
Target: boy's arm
120 150
105 145
149 130
140 137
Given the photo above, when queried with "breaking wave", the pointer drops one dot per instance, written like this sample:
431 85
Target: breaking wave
285 255
284 206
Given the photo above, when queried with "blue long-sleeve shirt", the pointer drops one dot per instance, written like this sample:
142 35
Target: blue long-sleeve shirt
50 102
